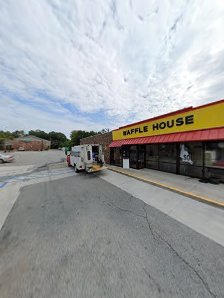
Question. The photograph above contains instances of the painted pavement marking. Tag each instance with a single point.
(38, 175)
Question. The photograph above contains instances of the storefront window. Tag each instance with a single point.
(167, 157)
(167, 152)
(116, 156)
(191, 154)
(214, 154)
(151, 157)
(191, 159)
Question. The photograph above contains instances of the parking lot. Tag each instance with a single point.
(29, 167)
(36, 158)
(107, 233)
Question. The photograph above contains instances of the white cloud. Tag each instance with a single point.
(24, 117)
(126, 59)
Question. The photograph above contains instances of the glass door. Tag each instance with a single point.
(133, 157)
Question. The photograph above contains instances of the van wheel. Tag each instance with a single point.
(76, 170)
(1, 160)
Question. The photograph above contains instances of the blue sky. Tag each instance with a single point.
(79, 64)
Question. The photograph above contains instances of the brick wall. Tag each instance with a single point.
(101, 139)
(36, 145)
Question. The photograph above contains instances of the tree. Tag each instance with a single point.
(39, 133)
(77, 135)
(67, 144)
(104, 130)
(57, 139)
(6, 135)
(18, 133)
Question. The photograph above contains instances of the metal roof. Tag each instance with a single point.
(30, 138)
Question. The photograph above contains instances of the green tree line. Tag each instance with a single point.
(58, 139)
(77, 135)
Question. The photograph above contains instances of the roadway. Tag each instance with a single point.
(83, 236)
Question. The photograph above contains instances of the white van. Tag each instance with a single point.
(87, 158)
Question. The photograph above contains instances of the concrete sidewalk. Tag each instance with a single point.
(187, 186)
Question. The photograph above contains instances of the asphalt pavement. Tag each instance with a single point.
(202, 218)
(84, 237)
(35, 158)
(10, 185)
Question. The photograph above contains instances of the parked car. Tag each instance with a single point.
(21, 149)
(6, 158)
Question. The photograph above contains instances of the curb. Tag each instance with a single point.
(195, 197)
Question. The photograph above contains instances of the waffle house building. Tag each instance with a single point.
(187, 142)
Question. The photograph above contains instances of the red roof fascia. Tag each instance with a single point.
(189, 136)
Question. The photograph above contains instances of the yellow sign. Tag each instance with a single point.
(209, 116)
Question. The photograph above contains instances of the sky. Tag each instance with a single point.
(94, 64)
